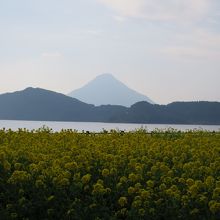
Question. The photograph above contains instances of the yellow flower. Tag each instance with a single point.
(136, 203)
(131, 190)
(210, 181)
(122, 201)
(113, 171)
(162, 187)
(145, 194)
(123, 179)
(132, 177)
(86, 178)
(62, 182)
(189, 182)
(98, 189)
(122, 213)
(18, 166)
(71, 166)
(6, 165)
(216, 194)
(105, 172)
(150, 183)
(19, 177)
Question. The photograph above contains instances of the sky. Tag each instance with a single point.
(168, 50)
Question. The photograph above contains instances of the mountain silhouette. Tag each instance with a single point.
(106, 89)
(174, 113)
(43, 105)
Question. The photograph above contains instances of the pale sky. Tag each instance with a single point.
(168, 50)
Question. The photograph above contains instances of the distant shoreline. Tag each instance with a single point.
(100, 127)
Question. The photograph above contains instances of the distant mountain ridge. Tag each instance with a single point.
(105, 89)
(43, 105)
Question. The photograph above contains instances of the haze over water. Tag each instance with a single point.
(97, 127)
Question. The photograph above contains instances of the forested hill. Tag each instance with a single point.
(174, 113)
(40, 104)
(44, 105)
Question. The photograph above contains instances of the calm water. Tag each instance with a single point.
(96, 127)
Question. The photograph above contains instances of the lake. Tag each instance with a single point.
(97, 127)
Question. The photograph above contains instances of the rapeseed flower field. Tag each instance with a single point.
(109, 175)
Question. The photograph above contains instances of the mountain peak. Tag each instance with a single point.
(105, 76)
(105, 89)
(32, 90)
(28, 89)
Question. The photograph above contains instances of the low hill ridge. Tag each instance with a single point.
(44, 105)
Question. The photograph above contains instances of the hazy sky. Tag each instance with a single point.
(168, 50)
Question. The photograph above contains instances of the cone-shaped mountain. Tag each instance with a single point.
(106, 89)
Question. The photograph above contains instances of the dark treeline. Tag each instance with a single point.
(44, 105)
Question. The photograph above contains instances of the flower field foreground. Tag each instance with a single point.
(115, 175)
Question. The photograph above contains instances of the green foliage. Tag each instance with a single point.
(110, 175)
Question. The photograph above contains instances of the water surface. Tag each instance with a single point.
(97, 127)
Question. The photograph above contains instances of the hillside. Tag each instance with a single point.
(173, 113)
(40, 104)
